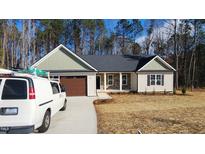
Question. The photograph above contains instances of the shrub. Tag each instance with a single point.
(183, 90)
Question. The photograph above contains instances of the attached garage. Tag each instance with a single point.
(75, 85)
(78, 75)
(73, 72)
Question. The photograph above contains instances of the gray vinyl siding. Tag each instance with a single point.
(62, 61)
(155, 65)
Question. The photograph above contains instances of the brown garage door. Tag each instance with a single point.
(75, 85)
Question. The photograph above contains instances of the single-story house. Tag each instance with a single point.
(88, 74)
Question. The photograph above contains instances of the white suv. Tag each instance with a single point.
(28, 102)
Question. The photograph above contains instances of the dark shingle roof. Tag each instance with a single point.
(116, 63)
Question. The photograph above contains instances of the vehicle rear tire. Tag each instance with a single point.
(46, 122)
(64, 106)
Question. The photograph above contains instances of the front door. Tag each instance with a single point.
(98, 82)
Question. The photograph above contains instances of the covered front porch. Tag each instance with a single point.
(113, 82)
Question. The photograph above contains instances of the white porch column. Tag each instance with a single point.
(105, 87)
(120, 81)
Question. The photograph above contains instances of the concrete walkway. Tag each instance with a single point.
(103, 95)
(79, 117)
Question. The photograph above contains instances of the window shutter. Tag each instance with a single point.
(148, 80)
(162, 79)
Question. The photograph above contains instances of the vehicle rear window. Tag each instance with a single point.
(55, 87)
(15, 89)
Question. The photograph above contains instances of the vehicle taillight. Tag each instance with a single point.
(32, 94)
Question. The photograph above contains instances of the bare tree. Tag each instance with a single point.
(5, 40)
(191, 64)
(176, 53)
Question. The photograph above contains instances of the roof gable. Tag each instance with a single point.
(156, 64)
(64, 60)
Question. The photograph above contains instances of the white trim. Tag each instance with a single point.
(105, 82)
(45, 57)
(120, 81)
(155, 79)
(160, 75)
(126, 79)
(160, 60)
(55, 50)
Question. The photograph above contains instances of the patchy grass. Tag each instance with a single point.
(128, 113)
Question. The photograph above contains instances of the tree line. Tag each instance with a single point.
(180, 42)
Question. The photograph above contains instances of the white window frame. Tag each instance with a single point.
(112, 80)
(125, 79)
(155, 79)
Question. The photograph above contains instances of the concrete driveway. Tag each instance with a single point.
(79, 117)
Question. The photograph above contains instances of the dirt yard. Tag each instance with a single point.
(128, 113)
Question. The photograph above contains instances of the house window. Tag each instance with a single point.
(159, 79)
(155, 79)
(152, 80)
(110, 80)
(124, 79)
